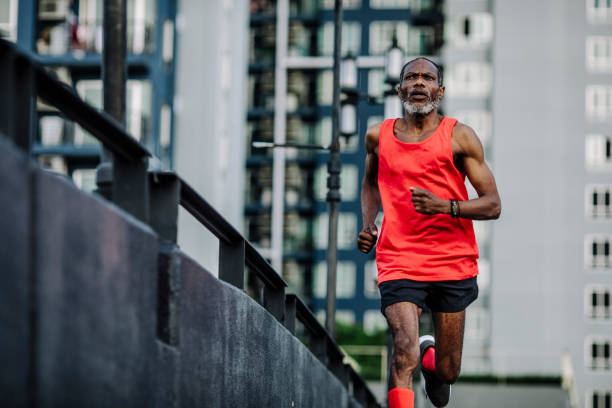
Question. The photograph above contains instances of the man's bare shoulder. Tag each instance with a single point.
(466, 139)
(371, 138)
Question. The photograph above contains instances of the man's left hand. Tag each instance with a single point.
(426, 202)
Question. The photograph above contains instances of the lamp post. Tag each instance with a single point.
(394, 59)
(333, 180)
(333, 166)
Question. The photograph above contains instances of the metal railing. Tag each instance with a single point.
(154, 198)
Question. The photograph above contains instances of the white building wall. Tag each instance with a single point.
(538, 252)
(210, 112)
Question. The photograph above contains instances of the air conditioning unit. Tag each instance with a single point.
(53, 9)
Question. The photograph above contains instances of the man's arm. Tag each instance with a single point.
(370, 195)
(487, 206)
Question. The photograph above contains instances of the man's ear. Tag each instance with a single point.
(441, 92)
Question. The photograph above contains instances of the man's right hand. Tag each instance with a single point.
(367, 238)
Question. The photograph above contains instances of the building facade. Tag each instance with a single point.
(306, 62)
(550, 251)
(180, 106)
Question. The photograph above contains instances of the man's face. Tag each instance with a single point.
(419, 89)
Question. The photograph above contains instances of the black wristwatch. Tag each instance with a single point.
(454, 210)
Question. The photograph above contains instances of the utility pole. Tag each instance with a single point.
(333, 181)
(114, 74)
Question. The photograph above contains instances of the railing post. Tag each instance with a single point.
(290, 314)
(339, 369)
(131, 186)
(359, 388)
(168, 289)
(7, 84)
(274, 301)
(24, 100)
(231, 263)
(163, 205)
(318, 346)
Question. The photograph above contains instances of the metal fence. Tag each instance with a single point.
(154, 197)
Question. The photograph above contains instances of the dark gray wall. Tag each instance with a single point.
(78, 314)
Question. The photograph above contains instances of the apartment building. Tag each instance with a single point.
(550, 253)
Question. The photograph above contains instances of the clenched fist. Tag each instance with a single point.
(367, 238)
(425, 202)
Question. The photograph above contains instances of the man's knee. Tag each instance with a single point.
(406, 354)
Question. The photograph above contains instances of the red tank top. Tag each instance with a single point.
(418, 246)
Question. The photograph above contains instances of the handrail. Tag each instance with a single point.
(207, 215)
(327, 350)
(154, 197)
(102, 126)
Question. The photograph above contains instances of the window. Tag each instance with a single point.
(87, 37)
(370, 280)
(325, 91)
(351, 38)
(599, 53)
(479, 120)
(345, 316)
(299, 39)
(385, 4)
(85, 179)
(347, 230)
(138, 108)
(413, 40)
(597, 301)
(469, 80)
(598, 151)
(598, 102)
(597, 353)
(374, 321)
(597, 201)
(349, 182)
(599, 399)
(599, 11)
(471, 30)
(346, 4)
(376, 83)
(345, 279)
(597, 250)
(476, 324)
(414, 5)
(294, 273)
(296, 233)
(8, 19)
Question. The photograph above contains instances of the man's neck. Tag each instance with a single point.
(420, 123)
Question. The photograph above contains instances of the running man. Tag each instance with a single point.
(426, 253)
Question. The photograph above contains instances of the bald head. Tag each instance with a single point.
(437, 68)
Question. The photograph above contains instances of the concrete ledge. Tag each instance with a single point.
(83, 283)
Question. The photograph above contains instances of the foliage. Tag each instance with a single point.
(353, 335)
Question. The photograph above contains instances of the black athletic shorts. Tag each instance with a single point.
(441, 296)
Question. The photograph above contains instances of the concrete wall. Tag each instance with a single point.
(78, 314)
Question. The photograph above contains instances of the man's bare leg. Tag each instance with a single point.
(449, 328)
(403, 320)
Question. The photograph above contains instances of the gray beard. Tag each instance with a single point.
(420, 110)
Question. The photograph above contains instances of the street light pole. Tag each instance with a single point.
(333, 180)
(114, 74)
